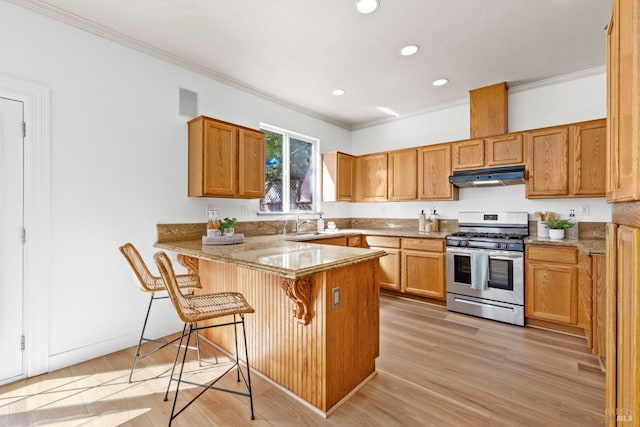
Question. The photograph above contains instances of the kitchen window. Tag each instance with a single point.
(290, 179)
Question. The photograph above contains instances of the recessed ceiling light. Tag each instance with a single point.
(440, 82)
(338, 92)
(388, 111)
(366, 6)
(409, 50)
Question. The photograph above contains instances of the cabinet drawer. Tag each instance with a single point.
(431, 245)
(552, 254)
(385, 242)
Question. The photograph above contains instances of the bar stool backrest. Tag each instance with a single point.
(146, 281)
(169, 278)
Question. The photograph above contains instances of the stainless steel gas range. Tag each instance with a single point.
(485, 265)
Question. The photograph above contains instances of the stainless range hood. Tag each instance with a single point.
(491, 177)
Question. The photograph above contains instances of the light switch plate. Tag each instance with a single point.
(335, 292)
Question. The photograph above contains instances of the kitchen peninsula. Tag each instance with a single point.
(315, 330)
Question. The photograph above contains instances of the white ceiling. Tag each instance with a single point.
(297, 51)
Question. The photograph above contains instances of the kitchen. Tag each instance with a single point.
(70, 62)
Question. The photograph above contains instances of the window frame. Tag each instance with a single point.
(315, 152)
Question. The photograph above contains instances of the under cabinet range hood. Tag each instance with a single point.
(490, 177)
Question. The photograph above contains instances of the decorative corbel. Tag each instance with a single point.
(188, 262)
(299, 291)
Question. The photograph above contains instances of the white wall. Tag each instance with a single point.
(564, 100)
(118, 167)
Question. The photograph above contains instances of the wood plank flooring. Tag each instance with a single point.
(435, 368)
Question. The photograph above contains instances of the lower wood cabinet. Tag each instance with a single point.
(336, 241)
(412, 266)
(552, 284)
(599, 309)
(424, 268)
(390, 264)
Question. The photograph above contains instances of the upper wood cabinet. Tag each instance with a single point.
(623, 114)
(338, 170)
(502, 150)
(587, 163)
(402, 174)
(548, 161)
(566, 161)
(371, 178)
(434, 169)
(468, 154)
(225, 160)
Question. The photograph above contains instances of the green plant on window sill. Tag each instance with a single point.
(227, 223)
(558, 224)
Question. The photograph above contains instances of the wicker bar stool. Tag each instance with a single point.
(151, 284)
(196, 308)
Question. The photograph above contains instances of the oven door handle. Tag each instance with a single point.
(505, 258)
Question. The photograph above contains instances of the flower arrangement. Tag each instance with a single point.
(558, 224)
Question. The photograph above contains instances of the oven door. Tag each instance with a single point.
(506, 275)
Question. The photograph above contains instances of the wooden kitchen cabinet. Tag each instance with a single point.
(547, 159)
(335, 241)
(371, 178)
(424, 267)
(551, 284)
(338, 171)
(587, 163)
(355, 241)
(599, 312)
(434, 169)
(623, 114)
(504, 150)
(402, 174)
(468, 154)
(225, 160)
(390, 264)
(567, 161)
(623, 317)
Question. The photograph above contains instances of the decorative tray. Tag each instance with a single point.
(223, 240)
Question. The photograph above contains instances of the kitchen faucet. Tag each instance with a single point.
(299, 222)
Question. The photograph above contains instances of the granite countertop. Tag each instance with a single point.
(587, 246)
(275, 254)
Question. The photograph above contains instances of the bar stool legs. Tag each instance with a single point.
(211, 385)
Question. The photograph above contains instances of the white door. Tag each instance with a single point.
(11, 246)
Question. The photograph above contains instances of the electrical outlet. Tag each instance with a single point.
(244, 210)
(336, 296)
(585, 210)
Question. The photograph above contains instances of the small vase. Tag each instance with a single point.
(555, 234)
(229, 231)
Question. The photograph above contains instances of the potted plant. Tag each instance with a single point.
(557, 226)
(226, 225)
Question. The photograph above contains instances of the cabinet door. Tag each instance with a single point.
(251, 167)
(628, 320)
(390, 269)
(220, 159)
(373, 177)
(337, 177)
(354, 241)
(503, 150)
(423, 273)
(547, 162)
(402, 174)
(434, 169)
(551, 292)
(598, 277)
(468, 154)
(588, 153)
(623, 84)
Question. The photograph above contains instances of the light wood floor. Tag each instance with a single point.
(435, 369)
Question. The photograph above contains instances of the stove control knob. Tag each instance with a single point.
(500, 245)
